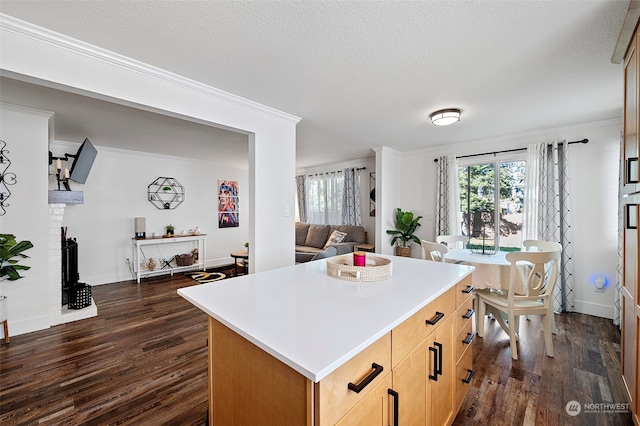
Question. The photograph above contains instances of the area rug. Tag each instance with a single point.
(206, 277)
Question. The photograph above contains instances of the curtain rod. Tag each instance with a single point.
(338, 171)
(435, 160)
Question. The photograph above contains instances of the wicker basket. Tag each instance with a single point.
(79, 296)
(341, 267)
(185, 259)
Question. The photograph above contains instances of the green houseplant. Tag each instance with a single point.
(404, 237)
(10, 249)
(170, 229)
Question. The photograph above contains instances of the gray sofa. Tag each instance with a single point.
(312, 240)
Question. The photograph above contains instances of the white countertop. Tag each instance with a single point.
(315, 323)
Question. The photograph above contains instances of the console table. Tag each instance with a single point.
(163, 245)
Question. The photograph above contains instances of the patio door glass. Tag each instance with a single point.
(491, 205)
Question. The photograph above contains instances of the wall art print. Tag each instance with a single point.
(228, 204)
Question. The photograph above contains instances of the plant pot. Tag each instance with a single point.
(403, 251)
(4, 308)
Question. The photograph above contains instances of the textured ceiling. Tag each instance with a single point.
(369, 73)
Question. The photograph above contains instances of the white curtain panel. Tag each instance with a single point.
(448, 219)
(324, 198)
(547, 207)
(535, 152)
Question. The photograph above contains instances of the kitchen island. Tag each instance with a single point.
(295, 346)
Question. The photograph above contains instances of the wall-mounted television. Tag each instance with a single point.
(82, 162)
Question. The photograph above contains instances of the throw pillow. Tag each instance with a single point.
(335, 238)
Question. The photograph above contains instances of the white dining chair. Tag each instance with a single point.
(541, 274)
(453, 241)
(541, 245)
(433, 251)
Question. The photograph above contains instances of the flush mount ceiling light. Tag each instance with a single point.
(444, 117)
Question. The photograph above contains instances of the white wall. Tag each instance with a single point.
(41, 56)
(594, 188)
(26, 133)
(389, 196)
(116, 192)
(36, 54)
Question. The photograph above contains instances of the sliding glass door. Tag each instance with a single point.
(491, 204)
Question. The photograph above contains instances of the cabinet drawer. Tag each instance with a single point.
(462, 313)
(333, 398)
(408, 335)
(464, 335)
(463, 290)
(465, 365)
(372, 410)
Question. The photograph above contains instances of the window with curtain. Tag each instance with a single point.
(324, 194)
(331, 198)
(492, 202)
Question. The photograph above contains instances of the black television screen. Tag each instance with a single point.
(83, 161)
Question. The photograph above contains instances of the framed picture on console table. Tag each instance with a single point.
(228, 204)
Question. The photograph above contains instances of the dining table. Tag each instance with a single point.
(492, 271)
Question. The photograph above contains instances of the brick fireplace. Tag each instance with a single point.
(58, 313)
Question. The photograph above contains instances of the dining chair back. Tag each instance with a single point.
(539, 272)
(540, 245)
(433, 251)
(453, 241)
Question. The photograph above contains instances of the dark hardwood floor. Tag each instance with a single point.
(143, 361)
(535, 389)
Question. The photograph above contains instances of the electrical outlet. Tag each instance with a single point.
(599, 285)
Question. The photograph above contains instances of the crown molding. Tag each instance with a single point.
(43, 35)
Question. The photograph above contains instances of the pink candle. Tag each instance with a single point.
(359, 258)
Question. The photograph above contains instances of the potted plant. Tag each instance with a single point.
(170, 229)
(406, 225)
(9, 250)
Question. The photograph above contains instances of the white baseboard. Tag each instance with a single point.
(26, 325)
(70, 315)
(222, 261)
(126, 276)
(595, 309)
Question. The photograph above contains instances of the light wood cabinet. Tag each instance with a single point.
(463, 343)
(408, 377)
(630, 315)
(373, 410)
(348, 385)
(426, 377)
(630, 142)
(441, 373)
(630, 303)
(410, 381)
